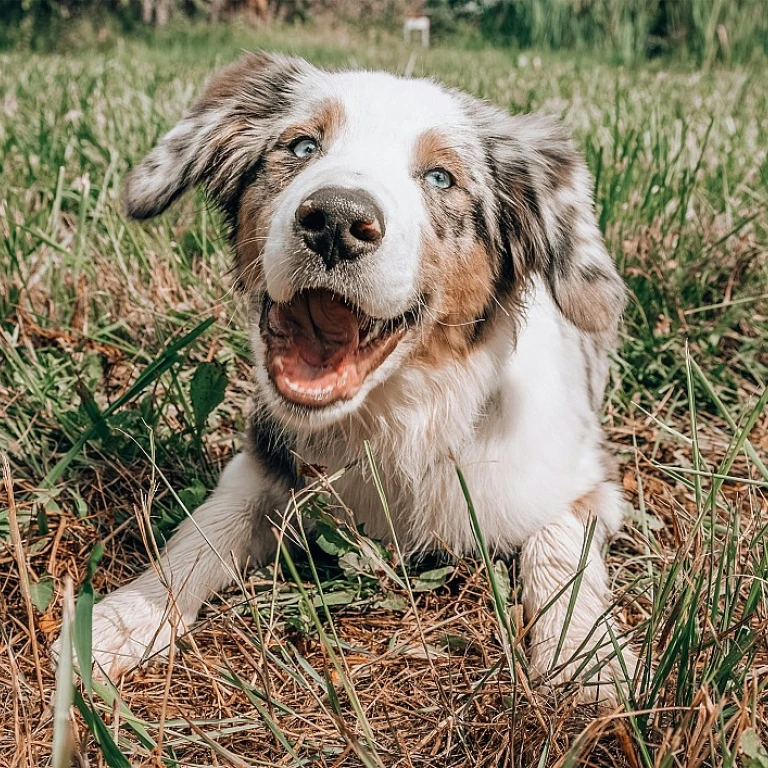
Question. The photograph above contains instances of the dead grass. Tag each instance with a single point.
(439, 698)
(88, 305)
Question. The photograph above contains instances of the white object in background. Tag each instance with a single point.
(417, 24)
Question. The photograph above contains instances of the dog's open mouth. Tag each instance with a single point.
(321, 348)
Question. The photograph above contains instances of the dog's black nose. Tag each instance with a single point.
(340, 224)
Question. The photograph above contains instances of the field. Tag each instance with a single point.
(117, 339)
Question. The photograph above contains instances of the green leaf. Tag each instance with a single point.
(501, 572)
(392, 602)
(206, 391)
(755, 754)
(332, 539)
(193, 496)
(42, 593)
(367, 563)
(163, 362)
(429, 580)
(113, 757)
(337, 597)
(454, 643)
(81, 508)
(91, 409)
(84, 620)
(332, 543)
(107, 692)
(96, 554)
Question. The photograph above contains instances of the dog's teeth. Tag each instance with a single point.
(373, 330)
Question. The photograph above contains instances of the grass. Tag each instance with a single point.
(117, 342)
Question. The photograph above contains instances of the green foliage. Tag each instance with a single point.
(117, 339)
(755, 754)
(626, 29)
(41, 593)
(41, 24)
(427, 581)
(206, 390)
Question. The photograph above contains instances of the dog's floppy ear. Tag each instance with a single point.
(546, 217)
(220, 137)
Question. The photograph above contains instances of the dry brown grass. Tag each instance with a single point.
(87, 304)
(423, 702)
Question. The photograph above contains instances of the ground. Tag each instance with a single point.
(117, 341)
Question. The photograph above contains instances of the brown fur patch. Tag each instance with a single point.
(229, 82)
(252, 229)
(464, 282)
(278, 169)
(434, 150)
(585, 508)
(458, 270)
(324, 125)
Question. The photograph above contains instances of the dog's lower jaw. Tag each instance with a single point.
(294, 418)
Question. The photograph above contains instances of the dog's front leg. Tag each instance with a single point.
(563, 646)
(232, 526)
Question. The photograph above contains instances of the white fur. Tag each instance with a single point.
(373, 152)
(525, 469)
(539, 453)
(588, 640)
(518, 416)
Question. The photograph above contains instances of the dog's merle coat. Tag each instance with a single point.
(492, 298)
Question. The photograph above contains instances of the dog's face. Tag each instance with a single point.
(379, 222)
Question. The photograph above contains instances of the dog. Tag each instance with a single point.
(424, 274)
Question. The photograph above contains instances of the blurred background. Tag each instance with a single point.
(703, 31)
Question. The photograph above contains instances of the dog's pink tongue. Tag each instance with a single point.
(323, 330)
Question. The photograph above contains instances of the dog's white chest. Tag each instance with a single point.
(523, 434)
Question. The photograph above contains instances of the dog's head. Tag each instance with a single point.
(379, 222)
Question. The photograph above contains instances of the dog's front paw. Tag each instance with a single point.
(127, 629)
(600, 675)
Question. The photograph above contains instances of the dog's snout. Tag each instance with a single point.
(340, 224)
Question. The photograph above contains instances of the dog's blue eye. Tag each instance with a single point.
(304, 147)
(439, 178)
